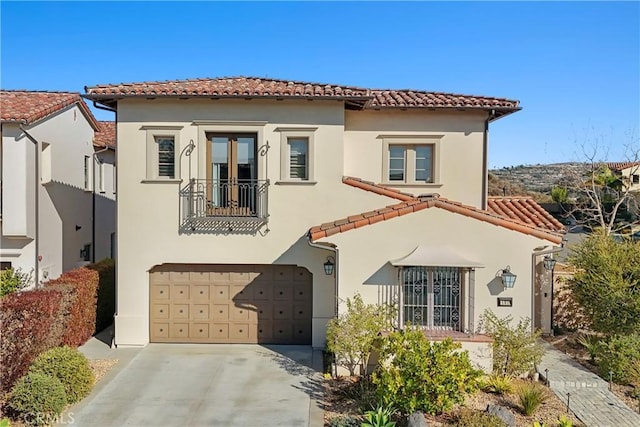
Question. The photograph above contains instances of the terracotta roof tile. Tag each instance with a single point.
(105, 136)
(518, 214)
(526, 210)
(257, 87)
(619, 166)
(30, 106)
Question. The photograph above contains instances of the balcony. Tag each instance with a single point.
(214, 205)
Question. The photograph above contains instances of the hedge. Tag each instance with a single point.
(62, 312)
(30, 325)
(80, 288)
(106, 305)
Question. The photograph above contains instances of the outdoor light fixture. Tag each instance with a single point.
(549, 263)
(329, 266)
(508, 278)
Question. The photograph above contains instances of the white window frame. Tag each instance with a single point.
(153, 133)
(88, 173)
(100, 176)
(287, 134)
(410, 141)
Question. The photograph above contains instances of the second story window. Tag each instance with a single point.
(410, 163)
(410, 159)
(101, 177)
(298, 158)
(166, 156)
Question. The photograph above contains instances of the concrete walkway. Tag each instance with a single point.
(203, 384)
(590, 399)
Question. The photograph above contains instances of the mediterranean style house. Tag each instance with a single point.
(58, 183)
(629, 172)
(250, 208)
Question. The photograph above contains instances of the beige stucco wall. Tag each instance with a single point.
(459, 149)
(63, 201)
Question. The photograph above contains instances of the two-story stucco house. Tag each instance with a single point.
(58, 183)
(629, 172)
(248, 208)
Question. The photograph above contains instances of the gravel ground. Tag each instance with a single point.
(100, 367)
(337, 405)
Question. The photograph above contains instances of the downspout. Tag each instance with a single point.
(533, 279)
(336, 271)
(36, 145)
(93, 204)
(485, 159)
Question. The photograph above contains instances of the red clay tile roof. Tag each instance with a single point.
(524, 209)
(619, 166)
(30, 106)
(428, 201)
(256, 87)
(105, 136)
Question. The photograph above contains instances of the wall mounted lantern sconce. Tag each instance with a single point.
(508, 278)
(549, 263)
(329, 266)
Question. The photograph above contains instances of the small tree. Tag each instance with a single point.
(13, 280)
(559, 194)
(516, 349)
(351, 336)
(607, 283)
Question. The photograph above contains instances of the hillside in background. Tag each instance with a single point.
(534, 180)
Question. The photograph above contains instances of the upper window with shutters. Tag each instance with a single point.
(297, 155)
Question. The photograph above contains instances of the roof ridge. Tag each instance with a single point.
(41, 91)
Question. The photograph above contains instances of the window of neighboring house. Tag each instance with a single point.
(115, 175)
(162, 153)
(5, 265)
(636, 179)
(410, 160)
(432, 297)
(297, 155)
(112, 247)
(45, 163)
(87, 173)
(85, 252)
(101, 176)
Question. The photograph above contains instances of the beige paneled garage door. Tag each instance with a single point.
(230, 304)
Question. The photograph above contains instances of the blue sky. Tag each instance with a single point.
(574, 66)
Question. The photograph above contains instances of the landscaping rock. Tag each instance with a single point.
(417, 419)
(503, 413)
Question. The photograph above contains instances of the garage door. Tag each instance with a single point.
(230, 304)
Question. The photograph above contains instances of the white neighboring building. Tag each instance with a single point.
(249, 208)
(58, 174)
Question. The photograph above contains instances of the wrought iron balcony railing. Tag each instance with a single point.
(224, 200)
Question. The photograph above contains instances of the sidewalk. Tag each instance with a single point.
(590, 399)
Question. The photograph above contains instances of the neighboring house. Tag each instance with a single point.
(629, 172)
(58, 193)
(249, 208)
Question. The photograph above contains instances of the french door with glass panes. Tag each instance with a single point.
(231, 174)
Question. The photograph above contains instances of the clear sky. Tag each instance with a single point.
(574, 66)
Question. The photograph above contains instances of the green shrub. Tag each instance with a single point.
(351, 336)
(415, 374)
(70, 367)
(13, 280)
(380, 417)
(530, 396)
(563, 421)
(470, 418)
(106, 304)
(37, 398)
(591, 343)
(516, 350)
(5, 422)
(498, 384)
(616, 355)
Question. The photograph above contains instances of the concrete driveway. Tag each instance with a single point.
(208, 385)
